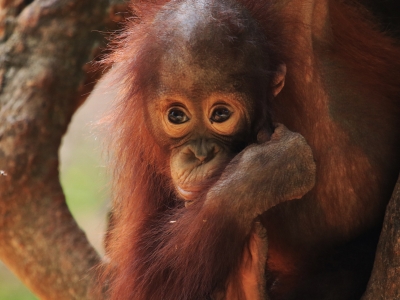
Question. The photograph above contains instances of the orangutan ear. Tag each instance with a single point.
(278, 81)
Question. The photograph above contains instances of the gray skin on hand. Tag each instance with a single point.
(264, 175)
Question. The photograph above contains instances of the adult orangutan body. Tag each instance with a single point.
(194, 126)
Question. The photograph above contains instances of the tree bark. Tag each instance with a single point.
(385, 279)
(44, 50)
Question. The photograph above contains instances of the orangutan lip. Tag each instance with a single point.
(187, 195)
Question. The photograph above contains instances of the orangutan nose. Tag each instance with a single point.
(204, 150)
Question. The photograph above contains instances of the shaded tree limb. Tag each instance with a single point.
(44, 50)
(385, 279)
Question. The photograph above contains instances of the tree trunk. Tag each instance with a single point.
(385, 279)
(44, 50)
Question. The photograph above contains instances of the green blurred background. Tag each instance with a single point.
(84, 179)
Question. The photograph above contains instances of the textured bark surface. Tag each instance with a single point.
(44, 49)
(385, 279)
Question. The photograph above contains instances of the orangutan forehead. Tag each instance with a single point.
(211, 33)
(187, 76)
(200, 53)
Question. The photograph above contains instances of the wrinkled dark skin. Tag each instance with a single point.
(263, 175)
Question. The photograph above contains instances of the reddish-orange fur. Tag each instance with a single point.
(355, 144)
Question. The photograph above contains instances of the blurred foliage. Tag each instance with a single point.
(11, 288)
(84, 182)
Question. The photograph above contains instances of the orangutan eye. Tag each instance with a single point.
(220, 114)
(177, 116)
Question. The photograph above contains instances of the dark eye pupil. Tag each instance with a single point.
(177, 116)
(220, 115)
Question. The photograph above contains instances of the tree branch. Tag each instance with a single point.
(44, 48)
(384, 282)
